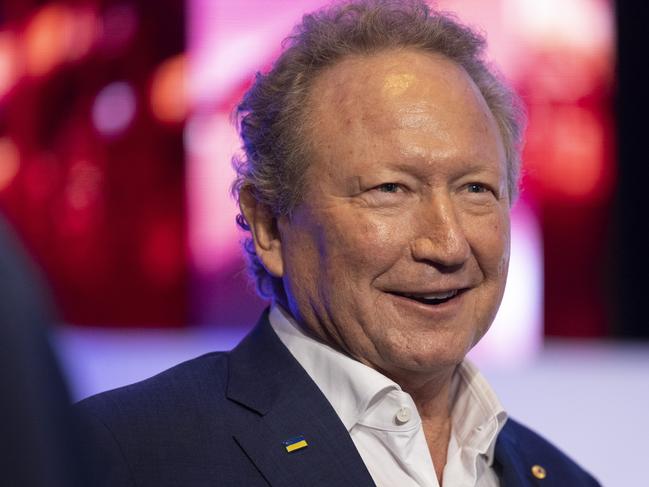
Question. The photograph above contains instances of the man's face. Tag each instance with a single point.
(398, 254)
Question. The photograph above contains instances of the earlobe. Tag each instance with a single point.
(265, 234)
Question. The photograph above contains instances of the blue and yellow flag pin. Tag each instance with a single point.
(294, 444)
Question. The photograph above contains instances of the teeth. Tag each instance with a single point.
(446, 295)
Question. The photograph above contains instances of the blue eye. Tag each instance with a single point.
(388, 188)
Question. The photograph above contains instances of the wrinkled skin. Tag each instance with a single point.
(406, 194)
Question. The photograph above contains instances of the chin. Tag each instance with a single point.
(424, 360)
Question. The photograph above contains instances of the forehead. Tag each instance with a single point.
(390, 76)
(395, 91)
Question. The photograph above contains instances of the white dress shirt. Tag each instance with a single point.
(383, 421)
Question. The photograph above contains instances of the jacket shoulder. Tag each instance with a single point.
(534, 450)
(130, 433)
(188, 384)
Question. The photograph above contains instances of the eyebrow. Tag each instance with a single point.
(422, 171)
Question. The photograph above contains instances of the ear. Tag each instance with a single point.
(265, 234)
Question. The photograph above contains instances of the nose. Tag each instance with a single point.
(441, 240)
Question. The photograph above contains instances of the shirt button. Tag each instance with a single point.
(403, 415)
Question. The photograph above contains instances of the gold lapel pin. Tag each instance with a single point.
(539, 472)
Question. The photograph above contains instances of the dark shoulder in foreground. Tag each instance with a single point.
(521, 450)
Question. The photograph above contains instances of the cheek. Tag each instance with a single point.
(362, 242)
(490, 241)
(301, 257)
(504, 262)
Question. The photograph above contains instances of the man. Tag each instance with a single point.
(381, 161)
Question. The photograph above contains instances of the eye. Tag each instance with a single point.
(477, 188)
(388, 188)
(386, 195)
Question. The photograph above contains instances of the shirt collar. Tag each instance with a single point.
(352, 387)
(477, 414)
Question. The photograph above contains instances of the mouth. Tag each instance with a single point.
(431, 299)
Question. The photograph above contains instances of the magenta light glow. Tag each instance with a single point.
(114, 108)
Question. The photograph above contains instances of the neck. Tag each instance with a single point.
(430, 392)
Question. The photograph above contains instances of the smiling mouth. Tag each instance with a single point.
(431, 299)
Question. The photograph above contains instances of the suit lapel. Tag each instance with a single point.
(512, 466)
(283, 402)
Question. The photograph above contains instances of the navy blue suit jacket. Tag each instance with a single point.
(221, 420)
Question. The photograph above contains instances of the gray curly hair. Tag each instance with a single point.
(271, 118)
